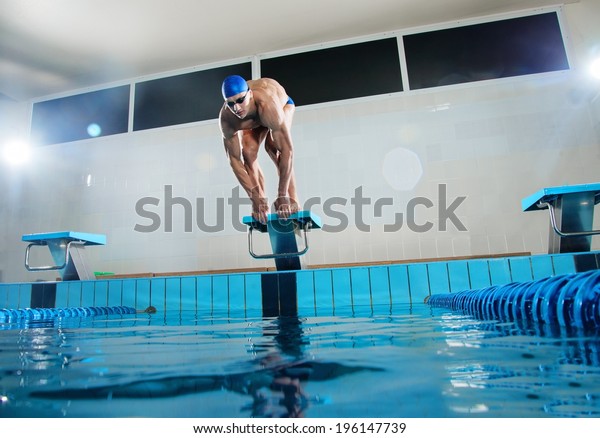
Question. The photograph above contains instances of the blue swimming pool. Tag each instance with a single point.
(350, 361)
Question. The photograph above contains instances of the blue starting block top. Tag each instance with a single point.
(550, 194)
(86, 238)
(305, 219)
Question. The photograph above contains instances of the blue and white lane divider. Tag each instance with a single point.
(44, 314)
(570, 300)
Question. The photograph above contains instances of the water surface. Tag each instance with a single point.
(396, 363)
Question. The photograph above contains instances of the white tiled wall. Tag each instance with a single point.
(491, 142)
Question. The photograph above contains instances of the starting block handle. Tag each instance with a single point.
(561, 233)
(49, 268)
(279, 255)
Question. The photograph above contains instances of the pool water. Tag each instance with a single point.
(411, 361)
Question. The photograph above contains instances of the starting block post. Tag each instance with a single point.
(283, 235)
(67, 250)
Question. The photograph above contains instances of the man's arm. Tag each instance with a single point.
(283, 141)
(249, 176)
(272, 116)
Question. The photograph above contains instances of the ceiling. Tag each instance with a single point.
(52, 47)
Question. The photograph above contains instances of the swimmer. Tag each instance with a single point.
(254, 112)
(149, 310)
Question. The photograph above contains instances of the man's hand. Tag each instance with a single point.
(285, 206)
(260, 209)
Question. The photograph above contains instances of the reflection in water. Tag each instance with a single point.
(546, 365)
(425, 362)
(275, 385)
(578, 346)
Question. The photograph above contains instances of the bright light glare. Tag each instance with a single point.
(595, 68)
(94, 130)
(17, 152)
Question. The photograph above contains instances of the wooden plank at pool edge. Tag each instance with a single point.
(316, 266)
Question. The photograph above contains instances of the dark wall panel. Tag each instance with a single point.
(345, 72)
(500, 49)
(185, 98)
(94, 114)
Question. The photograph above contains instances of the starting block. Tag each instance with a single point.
(67, 250)
(571, 211)
(283, 233)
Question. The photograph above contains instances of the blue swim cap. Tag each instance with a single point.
(233, 85)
